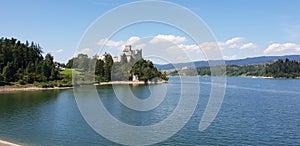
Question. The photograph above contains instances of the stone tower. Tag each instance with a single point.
(132, 54)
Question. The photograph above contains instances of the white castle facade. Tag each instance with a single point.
(129, 54)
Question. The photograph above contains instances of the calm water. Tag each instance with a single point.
(254, 112)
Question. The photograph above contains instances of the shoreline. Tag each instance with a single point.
(14, 89)
(128, 82)
(6, 143)
(5, 89)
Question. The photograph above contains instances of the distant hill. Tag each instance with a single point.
(246, 61)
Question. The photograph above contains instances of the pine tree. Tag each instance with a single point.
(30, 68)
(8, 72)
(99, 69)
(108, 63)
(54, 74)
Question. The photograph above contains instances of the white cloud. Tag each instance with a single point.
(180, 44)
(237, 43)
(248, 45)
(86, 51)
(192, 47)
(233, 57)
(234, 46)
(234, 43)
(277, 48)
(167, 38)
(214, 45)
(59, 50)
(118, 44)
(133, 39)
(110, 43)
(211, 48)
(234, 40)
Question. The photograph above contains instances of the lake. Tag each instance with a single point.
(255, 111)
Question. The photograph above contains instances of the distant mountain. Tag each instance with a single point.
(246, 61)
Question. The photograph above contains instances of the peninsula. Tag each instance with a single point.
(23, 67)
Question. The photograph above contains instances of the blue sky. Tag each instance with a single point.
(243, 28)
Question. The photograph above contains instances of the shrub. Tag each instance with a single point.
(22, 82)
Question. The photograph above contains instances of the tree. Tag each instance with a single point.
(38, 68)
(108, 63)
(99, 69)
(8, 72)
(54, 74)
(146, 71)
(283, 68)
(48, 68)
(92, 65)
(20, 55)
(30, 68)
(70, 63)
(83, 62)
(49, 59)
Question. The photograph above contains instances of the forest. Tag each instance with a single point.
(278, 69)
(23, 64)
(106, 70)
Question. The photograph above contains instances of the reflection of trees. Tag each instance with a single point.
(20, 102)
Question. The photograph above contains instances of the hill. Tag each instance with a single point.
(246, 61)
(278, 69)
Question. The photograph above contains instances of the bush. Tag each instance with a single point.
(44, 85)
(1, 77)
(2, 83)
(22, 82)
(47, 85)
(64, 84)
(29, 78)
(39, 78)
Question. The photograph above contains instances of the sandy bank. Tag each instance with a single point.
(5, 143)
(261, 77)
(129, 82)
(12, 89)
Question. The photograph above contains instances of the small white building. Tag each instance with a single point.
(135, 78)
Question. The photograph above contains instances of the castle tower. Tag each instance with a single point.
(127, 48)
(138, 54)
(132, 54)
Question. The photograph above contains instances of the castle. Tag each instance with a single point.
(129, 54)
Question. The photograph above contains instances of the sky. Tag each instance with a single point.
(242, 28)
